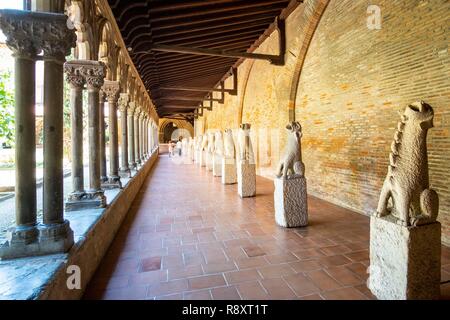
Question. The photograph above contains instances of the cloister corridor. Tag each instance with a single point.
(187, 236)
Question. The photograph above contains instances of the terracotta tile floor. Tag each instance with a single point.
(187, 236)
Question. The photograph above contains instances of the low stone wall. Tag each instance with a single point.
(87, 253)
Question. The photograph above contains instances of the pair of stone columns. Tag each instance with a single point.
(28, 34)
(81, 73)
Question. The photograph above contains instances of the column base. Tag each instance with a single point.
(132, 166)
(229, 171)
(35, 241)
(86, 201)
(55, 238)
(125, 173)
(290, 201)
(217, 166)
(246, 176)
(405, 262)
(112, 183)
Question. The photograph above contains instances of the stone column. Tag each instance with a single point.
(123, 106)
(23, 237)
(131, 144)
(102, 128)
(137, 116)
(96, 72)
(58, 40)
(111, 89)
(141, 137)
(76, 82)
(27, 34)
(145, 153)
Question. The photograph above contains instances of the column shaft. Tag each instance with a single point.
(113, 141)
(131, 140)
(25, 143)
(102, 150)
(94, 141)
(137, 138)
(124, 149)
(76, 104)
(53, 202)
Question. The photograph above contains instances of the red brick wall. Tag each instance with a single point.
(353, 84)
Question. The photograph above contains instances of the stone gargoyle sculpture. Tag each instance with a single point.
(407, 181)
(291, 162)
(229, 144)
(245, 145)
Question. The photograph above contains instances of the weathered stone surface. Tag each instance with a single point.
(217, 165)
(246, 175)
(291, 162)
(405, 262)
(407, 182)
(209, 161)
(290, 200)
(202, 158)
(229, 175)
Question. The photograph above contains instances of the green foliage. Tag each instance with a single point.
(7, 119)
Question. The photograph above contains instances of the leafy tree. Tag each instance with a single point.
(7, 118)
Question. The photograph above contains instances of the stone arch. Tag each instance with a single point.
(80, 15)
(182, 124)
(106, 47)
(314, 21)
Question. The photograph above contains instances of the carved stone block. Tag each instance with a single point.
(217, 165)
(202, 158)
(229, 171)
(209, 161)
(246, 175)
(290, 199)
(405, 262)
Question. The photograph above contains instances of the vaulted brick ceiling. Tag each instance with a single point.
(228, 25)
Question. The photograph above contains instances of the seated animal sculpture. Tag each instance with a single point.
(407, 181)
(229, 144)
(291, 162)
(245, 144)
(210, 143)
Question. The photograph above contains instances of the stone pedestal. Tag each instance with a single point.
(229, 171)
(405, 262)
(209, 161)
(217, 165)
(246, 176)
(202, 158)
(290, 200)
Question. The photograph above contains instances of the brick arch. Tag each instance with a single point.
(244, 90)
(318, 11)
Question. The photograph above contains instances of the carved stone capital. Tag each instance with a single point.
(131, 107)
(123, 102)
(92, 72)
(28, 32)
(111, 90)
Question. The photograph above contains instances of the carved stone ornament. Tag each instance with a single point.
(131, 107)
(111, 89)
(27, 33)
(291, 162)
(93, 72)
(407, 182)
(123, 102)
